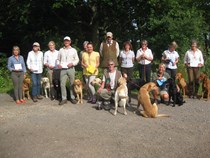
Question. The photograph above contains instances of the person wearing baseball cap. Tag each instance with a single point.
(35, 65)
(67, 59)
(109, 49)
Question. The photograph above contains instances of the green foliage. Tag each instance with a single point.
(5, 81)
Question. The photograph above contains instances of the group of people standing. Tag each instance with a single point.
(109, 58)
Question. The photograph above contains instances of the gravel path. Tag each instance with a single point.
(44, 129)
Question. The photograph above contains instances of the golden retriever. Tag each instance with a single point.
(121, 94)
(26, 87)
(205, 85)
(182, 83)
(78, 90)
(149, 110)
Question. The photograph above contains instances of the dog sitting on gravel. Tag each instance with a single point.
(149, 110)
(174, 93)
(121, 94)
(45, 83)
(181, 83)
(26, 87)
(56, 84)
(205, 85)
(78, 90)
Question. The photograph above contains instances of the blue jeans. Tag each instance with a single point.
(36, 84)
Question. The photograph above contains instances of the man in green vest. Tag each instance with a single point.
(109, 84)
(109, 50)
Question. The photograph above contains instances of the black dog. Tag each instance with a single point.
(56, 85)
(134, 84)
(174, 93)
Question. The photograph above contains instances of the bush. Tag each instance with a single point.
(5, 80)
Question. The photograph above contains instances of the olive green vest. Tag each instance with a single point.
(118, 75)
(109, 52)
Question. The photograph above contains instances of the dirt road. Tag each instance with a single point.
(44, 129)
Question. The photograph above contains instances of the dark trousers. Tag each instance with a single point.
(129, 72)
(145, 72)
(193, 74)
(171, 72)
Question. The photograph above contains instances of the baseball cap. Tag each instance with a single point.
(109, 34)
(67, 38)
(36, 44)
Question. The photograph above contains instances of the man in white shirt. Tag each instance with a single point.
(50, 61)
(67, 59)
(35, 65)
(109, 50)
(194, 61)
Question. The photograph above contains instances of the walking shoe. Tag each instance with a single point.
(39, 97)
(94, 101)
(73, 101)
(22, 101)
(18, 102)
(34, 99)
(63, 102)
(89, 100)
(107, 105)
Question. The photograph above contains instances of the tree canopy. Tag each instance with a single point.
(158, 21)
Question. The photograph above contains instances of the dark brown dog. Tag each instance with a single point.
(205, 85)
(26, 87)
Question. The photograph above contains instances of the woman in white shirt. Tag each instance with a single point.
(170, 58)
(35, 66)
(127, 58)
(144, 57)
(193, 60)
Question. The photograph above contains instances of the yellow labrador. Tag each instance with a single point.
(121, 94)
(45, 82)
(78, 90)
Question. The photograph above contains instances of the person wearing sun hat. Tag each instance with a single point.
(109, 49)
(170, 58)
(67, 60)
(35, 66)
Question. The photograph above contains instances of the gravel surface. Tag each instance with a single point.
(45, 129)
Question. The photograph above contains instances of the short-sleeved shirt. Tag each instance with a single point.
(172, 56)
(148, 53)
(90, 59)
(127, 59)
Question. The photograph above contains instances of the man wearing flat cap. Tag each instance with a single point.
(67, 60)
(109, 50)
